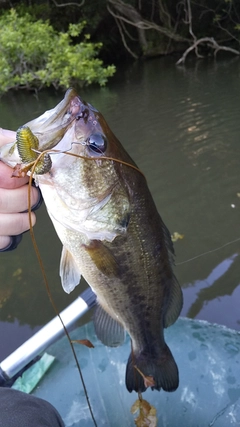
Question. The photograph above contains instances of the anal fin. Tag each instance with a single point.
(107, 329)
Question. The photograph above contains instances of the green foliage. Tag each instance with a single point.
(34, 55)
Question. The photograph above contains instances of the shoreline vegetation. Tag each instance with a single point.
(64, 43)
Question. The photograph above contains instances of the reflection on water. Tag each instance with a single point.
(199, 294)
(181, 126)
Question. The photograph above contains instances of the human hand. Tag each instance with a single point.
(14, 219)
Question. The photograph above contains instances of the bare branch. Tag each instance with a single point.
(153, 9)
(164, 15)
(69, 4)
(124, 10)
(214, 12)
(232, 37)
(124, 13)
(124, 40)
(188, 12)
(135, 17)
(130, 36)
(211, 43)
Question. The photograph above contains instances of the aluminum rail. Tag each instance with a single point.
(45, 336)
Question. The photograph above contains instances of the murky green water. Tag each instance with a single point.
(182, 127)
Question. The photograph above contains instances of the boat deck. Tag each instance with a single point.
(208, 357)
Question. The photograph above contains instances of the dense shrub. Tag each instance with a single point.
(34, 55)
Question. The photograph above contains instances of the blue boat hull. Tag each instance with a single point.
(208, 357)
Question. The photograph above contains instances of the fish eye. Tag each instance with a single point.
(97, 143)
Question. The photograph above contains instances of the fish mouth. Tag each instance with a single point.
(71, 112)
(52, 125)
(71, 118)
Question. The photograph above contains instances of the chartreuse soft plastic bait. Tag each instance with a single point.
(28, 149)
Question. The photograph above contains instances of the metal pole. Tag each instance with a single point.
(45, 336)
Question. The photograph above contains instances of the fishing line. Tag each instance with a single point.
(48, 288)
(122, 162)
(209, 252)
(138, 170)
(43, 270)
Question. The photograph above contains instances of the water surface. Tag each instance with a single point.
(181, 126)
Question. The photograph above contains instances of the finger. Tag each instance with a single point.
(13, 244)
(14, 201)
(4, 241)
(7, 136)
(15, 223)
(6, 179)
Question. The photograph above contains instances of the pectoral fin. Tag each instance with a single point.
(69, 272)
(108, 330)
(103, 258)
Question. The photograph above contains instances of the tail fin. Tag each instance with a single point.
(161, 367)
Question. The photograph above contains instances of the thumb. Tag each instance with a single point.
(7, 136)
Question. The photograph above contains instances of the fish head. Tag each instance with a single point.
(72, 121)
(85, 179)
(97, 141)
(86, 176)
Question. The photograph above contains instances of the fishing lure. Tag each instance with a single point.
(28, 149)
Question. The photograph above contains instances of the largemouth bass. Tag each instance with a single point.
(112, 234)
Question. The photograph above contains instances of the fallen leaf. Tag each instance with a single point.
(5, 294)
(17, 272)
(85, 342)
(147, 416)
(176, 236)
(148, 380)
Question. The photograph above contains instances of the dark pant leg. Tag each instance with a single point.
(19, 409)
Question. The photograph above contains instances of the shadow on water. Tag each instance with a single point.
(181, 126)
